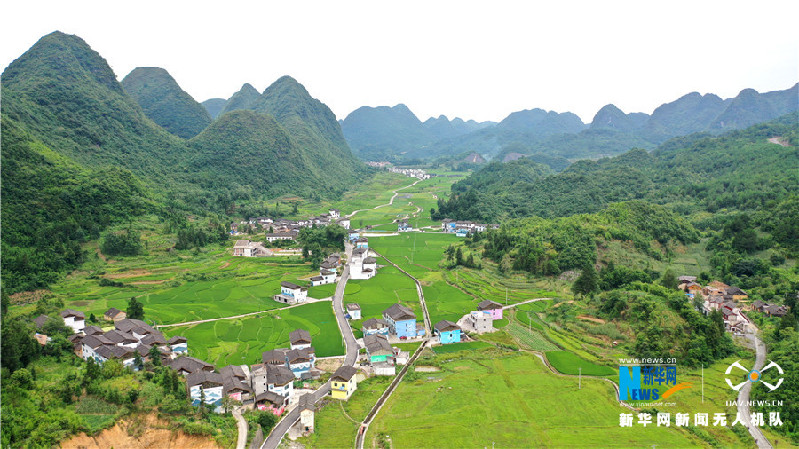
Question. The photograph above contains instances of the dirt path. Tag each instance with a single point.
(393, 197)
(525, 302)
(743, 395)
(590, 318)
(188, 323)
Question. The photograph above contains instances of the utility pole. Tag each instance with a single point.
(506, 296)
(580, 378)
(703, 383)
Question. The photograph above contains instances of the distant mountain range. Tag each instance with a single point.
(396, 134)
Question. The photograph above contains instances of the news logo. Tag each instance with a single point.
(754, 376)
(645, 383)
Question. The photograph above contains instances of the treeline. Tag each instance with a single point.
(319, 242)
(549, 247)
(51, 206)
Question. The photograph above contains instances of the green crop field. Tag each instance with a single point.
(243, 340)
(462, 346)
(375, 295)
(488, 398)
(568, 363)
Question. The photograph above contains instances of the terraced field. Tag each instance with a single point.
(243, 340)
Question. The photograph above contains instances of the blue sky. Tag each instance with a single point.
(474, 60)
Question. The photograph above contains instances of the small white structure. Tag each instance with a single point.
(365, 268)
(247, 248)
(307, 408)
(74, 319)
(481, 321)
(274, 236)
(354, 311)
(334, 213)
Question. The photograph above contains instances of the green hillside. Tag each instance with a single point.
(214, 106)
(164, 102)
(738, 170)
(246, 151)
(243, 99)
(384, 133)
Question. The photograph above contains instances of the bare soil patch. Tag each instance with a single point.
(590, 318)
(29, 297)
(128, 274)
(138, 434)
(779, 141)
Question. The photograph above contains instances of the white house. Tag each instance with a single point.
(354, 311)
(74, 319)
(344, 222)
(325, 277)
(334, 213)
(274, 236)
(300, 339)
(291, 293)
(207, 386)
(179, 345)
(247, 248)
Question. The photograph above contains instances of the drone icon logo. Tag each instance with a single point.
(754, 376)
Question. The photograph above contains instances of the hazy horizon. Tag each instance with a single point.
(459, 59)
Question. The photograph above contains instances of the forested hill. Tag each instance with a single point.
(738, 170)
(79, 153)
(165, 103)
(65, 94)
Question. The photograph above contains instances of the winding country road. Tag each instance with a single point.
(743, 395)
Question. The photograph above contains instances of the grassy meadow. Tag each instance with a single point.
(451, 408)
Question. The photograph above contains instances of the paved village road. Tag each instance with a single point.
(282, 427)
(241, 423)
(743, 395)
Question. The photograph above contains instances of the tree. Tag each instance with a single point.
(669, 279)
(155, 356)
(587, 283)
(18, 346)
(135, 309)
(229, 403)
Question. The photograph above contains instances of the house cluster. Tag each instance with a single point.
(284, 229)
(718, 296)
(411, 172)
(769, 309)
(267, 386)
(464, 228)
(128, 338)
(378, 164)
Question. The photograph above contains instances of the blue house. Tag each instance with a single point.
(448, 332)
(362, 242)
(353, 235)
(401, 320)
(461, 233)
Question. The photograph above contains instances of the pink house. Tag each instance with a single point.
(495, 309)
(271, 401)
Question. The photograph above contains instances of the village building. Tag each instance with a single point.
(301, 362)
(178, 344)
(481, 321)
(291, 293)
(207, 387)
(374, 326)
(271, 402)
(114, 314)
(300, 339)
(401, 321)
(362, 242)
(274, 357)
(74, 320)
(325, 277)
(737, 294)
(448, 332)
(344, 222)
(334, 213)
(246, 248)
(343, 382)
(307, 409)
(92, 330)
(188, 365)
(377, 348)
(275, 236)
(40, 320)
(353, 311)
(494, 308)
